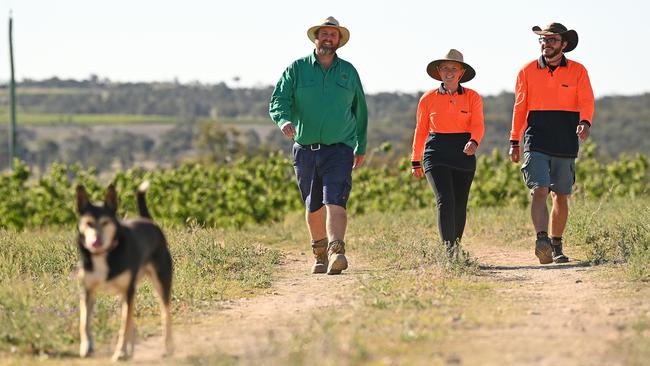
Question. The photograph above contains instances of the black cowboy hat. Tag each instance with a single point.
(570, 36)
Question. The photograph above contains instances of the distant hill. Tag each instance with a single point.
(621, 123)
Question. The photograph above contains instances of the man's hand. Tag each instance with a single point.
(470, 147)
(288, 130)
(358, 161)
(582, 131)
(514, 153)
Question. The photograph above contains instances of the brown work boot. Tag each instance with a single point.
(558, 256)
(319, 247)
(543, 250)
(337, 260)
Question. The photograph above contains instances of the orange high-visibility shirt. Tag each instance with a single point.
(549, 104)
(441, 112)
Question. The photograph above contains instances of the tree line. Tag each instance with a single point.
(621, 123)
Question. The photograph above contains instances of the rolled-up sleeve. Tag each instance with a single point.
(520, 110)
(585, 98)
(280, 107)
(360, 111)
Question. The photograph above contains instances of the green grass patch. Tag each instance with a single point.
(613, 230)
(54, 119)
(39, 297)
(45, 91)
(240, 121)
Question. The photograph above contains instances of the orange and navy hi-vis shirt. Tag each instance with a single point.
(549, 105)
(440, 112)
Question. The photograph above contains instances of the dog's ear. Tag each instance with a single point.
(110, 200)
(82, 198)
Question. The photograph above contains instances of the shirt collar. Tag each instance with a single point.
(442, 89)
(314, 61)
(541, 62)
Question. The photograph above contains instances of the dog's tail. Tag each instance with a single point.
(142, 203)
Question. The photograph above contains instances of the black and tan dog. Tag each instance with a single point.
(114, 256)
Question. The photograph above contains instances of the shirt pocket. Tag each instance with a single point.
(464, 119)
(306, 95)
(306, 83)
(343, 83)
(344, 89)
(568, 96)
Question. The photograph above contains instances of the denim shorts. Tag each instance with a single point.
(324, 174)
(542, 170)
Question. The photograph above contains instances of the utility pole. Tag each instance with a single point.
(12, 98)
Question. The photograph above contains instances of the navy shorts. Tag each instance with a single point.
(324, 174)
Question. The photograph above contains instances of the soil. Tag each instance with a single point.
(558, 314)
(248, 328)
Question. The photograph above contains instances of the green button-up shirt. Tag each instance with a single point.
(326, 107)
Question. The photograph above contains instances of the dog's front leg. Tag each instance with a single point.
(86, 305)
(121, 352)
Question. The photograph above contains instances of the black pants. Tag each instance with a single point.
(451, 187)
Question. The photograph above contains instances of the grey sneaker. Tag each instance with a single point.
(543, 250)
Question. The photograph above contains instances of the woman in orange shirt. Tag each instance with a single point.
(449, 130)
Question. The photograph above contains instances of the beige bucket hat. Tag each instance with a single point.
(569, 35)
(452, 55)
(330, 22)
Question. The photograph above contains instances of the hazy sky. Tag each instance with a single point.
(391, 41)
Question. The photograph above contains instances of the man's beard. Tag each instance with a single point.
(326, 50)
(553, 53)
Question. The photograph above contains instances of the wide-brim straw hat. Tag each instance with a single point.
(569, 35)
(330, 22)
(455, 56)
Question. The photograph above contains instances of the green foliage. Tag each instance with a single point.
(610, 232)
(628, 176)
(262, 189)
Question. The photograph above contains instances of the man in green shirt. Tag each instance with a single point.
(319, 103)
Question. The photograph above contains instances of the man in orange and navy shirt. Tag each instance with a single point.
(554, 108)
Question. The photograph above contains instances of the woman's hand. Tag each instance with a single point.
(470, 147)
(416, 169)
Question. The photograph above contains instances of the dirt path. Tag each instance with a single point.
(567, 314)
(248, 328)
